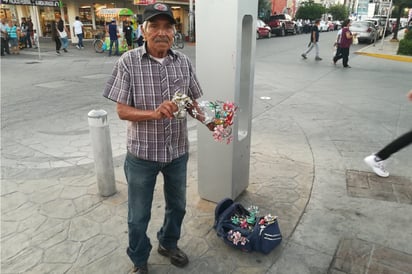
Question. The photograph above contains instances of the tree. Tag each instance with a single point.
(400, 4)
(310, 10)
(339, 12)
(264, 9)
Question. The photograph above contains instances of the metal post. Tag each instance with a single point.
(102, 152)
(191, 22)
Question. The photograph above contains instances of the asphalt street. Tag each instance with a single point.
(313, 123)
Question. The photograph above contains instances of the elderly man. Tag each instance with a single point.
(145, 83)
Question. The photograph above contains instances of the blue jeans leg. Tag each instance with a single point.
(174, 190)
(141, 178)
(80, 37)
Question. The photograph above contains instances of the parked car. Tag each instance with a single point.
(262, 30)
(331, 26)
(365, 31)
(323, 26)
(281, 24)
(378, 26)
(337, 25)
(383, 23)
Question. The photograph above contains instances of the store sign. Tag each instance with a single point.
(44, 3)
(143, 2)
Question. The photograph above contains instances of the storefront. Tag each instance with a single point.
(93, 15)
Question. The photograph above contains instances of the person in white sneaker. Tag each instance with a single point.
(376, 160)
(78, 31)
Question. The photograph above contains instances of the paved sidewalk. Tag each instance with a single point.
(386, 48)
(306, 167)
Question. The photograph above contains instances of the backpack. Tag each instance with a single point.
(242, 229)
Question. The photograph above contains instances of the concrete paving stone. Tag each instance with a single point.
(82, 229)
(368, 185)
(105, 265)
(116, 225)
(12, 201)
(20, 213)
(31, 224)
(101, 213)
(13, 245)
(72, 192)
(64, 252)
(49, 268)
(301, 259)
(359, 256)
(47, 194)
(21, 263)
(51, 233)
(86, 203)
(8, 228)
(64, 209)
(96, 248)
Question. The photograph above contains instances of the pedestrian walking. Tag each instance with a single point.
(337, 46)
(61, 29)
(114, 37)
(128, 34)
(314, 42)
(56, 37)
(78, 30)
(376, 160)
(13, 33)
(345, 43)
(29, 35)
(23, 33)
(143, 83)
(4, 37)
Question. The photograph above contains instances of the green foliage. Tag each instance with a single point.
(405, 47)
(310, 10)
(264, 9)
(339, 12)
(408, 36)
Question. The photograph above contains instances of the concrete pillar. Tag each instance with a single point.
(102, 152)
(225, 53)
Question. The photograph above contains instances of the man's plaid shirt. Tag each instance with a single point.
(140, 81)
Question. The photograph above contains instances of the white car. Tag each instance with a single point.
(323, 26)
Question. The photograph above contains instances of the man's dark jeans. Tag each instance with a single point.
(141, 179)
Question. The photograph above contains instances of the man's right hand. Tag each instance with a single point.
(166, 110)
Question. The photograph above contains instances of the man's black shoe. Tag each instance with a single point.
(177, 256)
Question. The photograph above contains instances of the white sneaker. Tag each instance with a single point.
(377, 166)
(77, 46)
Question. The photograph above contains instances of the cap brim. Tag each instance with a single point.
(172, 20)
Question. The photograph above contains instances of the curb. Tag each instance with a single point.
(400, 58)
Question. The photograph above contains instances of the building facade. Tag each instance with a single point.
(94, 14)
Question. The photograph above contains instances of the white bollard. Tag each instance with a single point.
(102, 152)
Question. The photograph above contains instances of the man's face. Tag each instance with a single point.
(159, 33)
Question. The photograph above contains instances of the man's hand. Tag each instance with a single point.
(211, 126)
(409, 95)
(166, 110)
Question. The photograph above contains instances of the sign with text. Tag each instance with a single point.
(143, 2)
(44, 3)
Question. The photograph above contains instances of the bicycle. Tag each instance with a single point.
(178, 41)
(98, 43)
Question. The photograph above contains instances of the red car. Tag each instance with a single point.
(262, 30)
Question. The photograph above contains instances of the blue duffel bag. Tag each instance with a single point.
(241, 229)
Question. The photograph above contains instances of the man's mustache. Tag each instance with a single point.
(161, 39)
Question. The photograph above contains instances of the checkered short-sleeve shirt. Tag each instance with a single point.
(142, 82)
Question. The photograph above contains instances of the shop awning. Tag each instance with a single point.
(114, 12)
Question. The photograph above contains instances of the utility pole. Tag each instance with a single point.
(191, 22)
